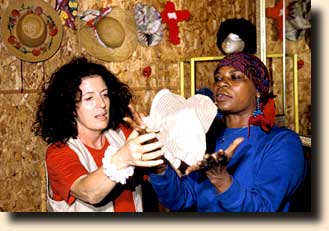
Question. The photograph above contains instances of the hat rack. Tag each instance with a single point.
(192, 62)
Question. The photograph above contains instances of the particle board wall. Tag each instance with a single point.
(303, 51)
(22, 154)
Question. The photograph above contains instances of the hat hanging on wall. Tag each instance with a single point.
(109, 34)
(31, 30)
(298, 19)
(149, 27)
(236, 35)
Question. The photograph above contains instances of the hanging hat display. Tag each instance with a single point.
(237, 30)
(109, 34)
(149, 27)
(31, 30)
(298, 19)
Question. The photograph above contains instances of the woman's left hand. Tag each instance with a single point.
(215, 164)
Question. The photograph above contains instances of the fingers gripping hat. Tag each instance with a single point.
(31, 30)
(252, 67)
(240, 27)
(109, 35)
(182, 125)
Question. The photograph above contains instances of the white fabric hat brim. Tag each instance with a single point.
(182, 124)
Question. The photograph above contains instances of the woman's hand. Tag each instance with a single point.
(140, 127)
(215, 166)
(138, 152)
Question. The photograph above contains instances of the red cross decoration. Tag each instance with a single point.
(276, 13)
(172, 17)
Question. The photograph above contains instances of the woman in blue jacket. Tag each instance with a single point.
(256, 173)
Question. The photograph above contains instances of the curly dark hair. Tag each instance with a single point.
(56, 114)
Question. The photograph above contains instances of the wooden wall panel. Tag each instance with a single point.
(22, 154)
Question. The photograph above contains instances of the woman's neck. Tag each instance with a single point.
(236, 121)
(93, 140)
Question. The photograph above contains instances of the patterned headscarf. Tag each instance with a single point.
(255, 70)
(252, 67)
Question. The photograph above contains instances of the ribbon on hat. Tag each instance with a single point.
(92, 17)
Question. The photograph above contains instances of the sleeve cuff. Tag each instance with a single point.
(232, 196)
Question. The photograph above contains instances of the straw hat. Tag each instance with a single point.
(182, 124)
(113, 38)
(31, 30)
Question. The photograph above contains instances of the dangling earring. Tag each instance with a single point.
(257, 111)
(219, 115)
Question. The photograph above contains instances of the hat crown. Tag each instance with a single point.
(232, 44)
(111, 32)
(31, 30)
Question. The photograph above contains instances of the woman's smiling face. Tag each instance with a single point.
(234, 92)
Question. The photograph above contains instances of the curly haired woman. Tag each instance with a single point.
(92, 152)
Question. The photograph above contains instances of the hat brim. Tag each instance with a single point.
(93, 47)
(18, 49)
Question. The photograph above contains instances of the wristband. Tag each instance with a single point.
(110, 170)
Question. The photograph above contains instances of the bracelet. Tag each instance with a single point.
(111, 171)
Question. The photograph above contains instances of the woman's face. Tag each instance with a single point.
(234, 92)
(93, 108)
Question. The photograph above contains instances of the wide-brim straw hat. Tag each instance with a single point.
(182, 124)
(117, 32)
(31, 30)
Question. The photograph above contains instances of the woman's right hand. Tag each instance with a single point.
(139, 150)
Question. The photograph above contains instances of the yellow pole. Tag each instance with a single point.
(192, 76)
(296, 112)
(181, 77)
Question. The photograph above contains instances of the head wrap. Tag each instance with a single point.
(255, 70)
(252, 67)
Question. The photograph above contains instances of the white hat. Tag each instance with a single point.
(182, 124)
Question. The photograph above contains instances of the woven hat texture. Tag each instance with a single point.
(182, 124)
(117, 35)
(31, 30)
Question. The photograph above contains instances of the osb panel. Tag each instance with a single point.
(21, 153)
(300, 48)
